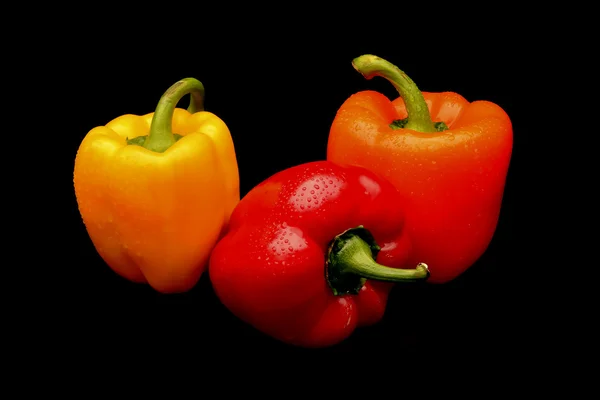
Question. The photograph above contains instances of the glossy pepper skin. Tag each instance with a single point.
(451, 173)
(300, 246)
(155, 203)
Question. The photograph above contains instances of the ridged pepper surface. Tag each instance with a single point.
(155, 202)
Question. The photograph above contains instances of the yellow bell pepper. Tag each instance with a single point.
(155, 203)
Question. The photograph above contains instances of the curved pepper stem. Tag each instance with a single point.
(419, 118)
(161, 135)
(351, 261)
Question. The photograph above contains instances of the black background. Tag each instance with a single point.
(277, 85)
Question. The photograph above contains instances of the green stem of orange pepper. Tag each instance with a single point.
(419, 118)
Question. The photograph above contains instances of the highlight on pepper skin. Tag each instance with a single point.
(447, 157)
(155, 192)
(312, 253)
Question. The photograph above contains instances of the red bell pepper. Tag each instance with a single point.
(298, 261)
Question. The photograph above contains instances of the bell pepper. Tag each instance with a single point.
(303, 259)
(447, 156)
(154, 202)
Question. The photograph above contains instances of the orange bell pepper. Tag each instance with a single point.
(154, 203)
(451, 173)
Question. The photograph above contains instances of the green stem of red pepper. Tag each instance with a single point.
(419, 118)
(351, 261)
(161, 135)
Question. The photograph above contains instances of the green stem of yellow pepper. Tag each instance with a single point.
(161, 135)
